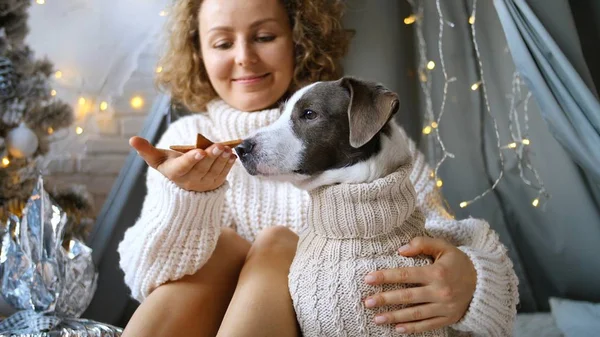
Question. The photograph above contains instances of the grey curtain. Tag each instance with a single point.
(566, 101)
(553, 247)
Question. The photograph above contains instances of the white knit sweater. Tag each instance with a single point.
(177, 230)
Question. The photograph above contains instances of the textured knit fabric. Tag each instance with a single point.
(354, 229)
(177, 229)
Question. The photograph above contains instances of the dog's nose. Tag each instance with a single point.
(245, 148)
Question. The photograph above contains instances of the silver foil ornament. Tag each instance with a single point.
(79, 282)
(40, 272)
(33, 265)
(30, 323)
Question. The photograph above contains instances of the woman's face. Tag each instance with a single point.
(248, 51)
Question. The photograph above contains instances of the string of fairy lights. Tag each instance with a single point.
(518, 113)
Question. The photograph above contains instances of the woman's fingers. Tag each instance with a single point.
(424, 325)
(410, 314)
(419, 275)
(400, 296)
(202, 168)
(151, 155)
(220, 163)
(227, 167)
(182, 165)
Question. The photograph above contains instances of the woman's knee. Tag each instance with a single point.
(231, 247)
(276, 241)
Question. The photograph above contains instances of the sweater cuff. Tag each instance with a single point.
(493, 308)
(175, 236)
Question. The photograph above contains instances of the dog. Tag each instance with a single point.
(339, 141)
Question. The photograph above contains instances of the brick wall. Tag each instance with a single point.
(107, 141)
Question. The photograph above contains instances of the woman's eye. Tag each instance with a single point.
(309, 114)
(223, 45)
(265, 38)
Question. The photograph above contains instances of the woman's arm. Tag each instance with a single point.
(177, 230)
(484, 303)
(493, 308)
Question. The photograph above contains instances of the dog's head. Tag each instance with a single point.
(330, 132)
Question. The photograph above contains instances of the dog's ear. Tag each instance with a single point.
(371, 107)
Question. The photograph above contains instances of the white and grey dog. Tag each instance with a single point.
(338, 140)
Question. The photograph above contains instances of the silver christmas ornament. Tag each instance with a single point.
(21, 142)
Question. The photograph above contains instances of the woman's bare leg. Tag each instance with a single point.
(195, 304)
(261, 304)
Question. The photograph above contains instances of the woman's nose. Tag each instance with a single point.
(245, 54)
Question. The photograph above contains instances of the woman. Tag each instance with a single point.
(211, 250)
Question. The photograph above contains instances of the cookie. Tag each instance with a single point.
(203, 143)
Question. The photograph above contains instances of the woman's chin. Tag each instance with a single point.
(255, 101)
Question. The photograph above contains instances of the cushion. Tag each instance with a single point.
(576, 318)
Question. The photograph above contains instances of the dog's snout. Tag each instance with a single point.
(245, 148)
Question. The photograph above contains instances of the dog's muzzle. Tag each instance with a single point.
(245, 153)
(245, 148)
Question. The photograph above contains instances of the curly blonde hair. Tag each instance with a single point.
(320, 43)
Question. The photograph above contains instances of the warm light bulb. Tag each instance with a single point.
(137, 102)
(427, 130)
(434, 125)
(535, 202)
(475, 86)
(159, 69)
(432, 174)
(430, 65)
(512, 145)
(423, 77)
(103, 106)
(40, 2)
(525, 141)
(409, 20)
(50, 130)
(5, 161)
(53, 92)
(439, 183)
(81, 101)
(472, 19)
(58, 74)
(79, 130)
(464, 204)
(163, 13)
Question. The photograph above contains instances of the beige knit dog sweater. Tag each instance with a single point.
(354, 229)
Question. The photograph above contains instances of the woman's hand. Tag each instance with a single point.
(196, 170)
(444, 293)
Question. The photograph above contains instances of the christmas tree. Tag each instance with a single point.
(29, 116)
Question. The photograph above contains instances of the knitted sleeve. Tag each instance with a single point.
(177, 230)
(493, 308)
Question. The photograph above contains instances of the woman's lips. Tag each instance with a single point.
(250, 79)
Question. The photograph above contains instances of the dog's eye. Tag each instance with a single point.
(309, 114)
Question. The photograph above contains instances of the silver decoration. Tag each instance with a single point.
(7, 78)
(13, 111)
(50, 285)
(79, 280)
(31, 323)
(33, 265)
